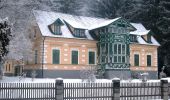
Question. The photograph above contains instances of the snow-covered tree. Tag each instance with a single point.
(20, 48)
(5, 35)
(88, 74)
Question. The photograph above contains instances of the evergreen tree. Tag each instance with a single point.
(67, 6)
(164, 28)
(105, 8)
(5, 34)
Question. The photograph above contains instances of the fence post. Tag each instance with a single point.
(116, 89)
(164, 89)
(59, 89)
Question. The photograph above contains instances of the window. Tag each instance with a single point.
(119, 53)
(91, 57)
(74, 57)
(123, 49)
(55, 29)
(115, 48)
(123, 59)
(36, 56)
(136, 60)
(56, 56)
(133, 38)
(110, 49)
(148, 60)
(79, 33)
(121, 25)
(119, 48)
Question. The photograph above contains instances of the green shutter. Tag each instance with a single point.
(136, 60)
(56, 56)
(148, 60)
(74, 57)
(91, 57)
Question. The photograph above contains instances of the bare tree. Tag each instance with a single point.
(88, 74)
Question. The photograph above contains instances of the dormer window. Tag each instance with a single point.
(55, 28)
(79, 33)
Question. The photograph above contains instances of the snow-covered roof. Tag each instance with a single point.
(105, 23)
(141, 30)
(142, 41)
(45, 18)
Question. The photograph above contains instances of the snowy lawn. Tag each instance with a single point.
(52, 80)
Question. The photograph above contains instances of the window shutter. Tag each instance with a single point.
(56, 56)
(91, 57)
(74, 57)
(148, 60)
(136, 60)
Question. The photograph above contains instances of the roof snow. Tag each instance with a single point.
(141, 30)
(45, 18)
(105, 23)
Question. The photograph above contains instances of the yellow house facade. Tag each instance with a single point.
(65, 44)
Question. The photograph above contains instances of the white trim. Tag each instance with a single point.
(74, 49)
(92, 50)
(55, 48)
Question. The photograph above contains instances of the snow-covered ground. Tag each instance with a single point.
(44, 80)
(52, 80)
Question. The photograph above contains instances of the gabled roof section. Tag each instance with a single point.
(110, 21)
(59, 22)
(102, 24)
(142, 41)
(141, 30)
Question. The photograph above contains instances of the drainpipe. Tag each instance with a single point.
(42, 72)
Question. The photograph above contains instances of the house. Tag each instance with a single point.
(65, 44)
(13, 67)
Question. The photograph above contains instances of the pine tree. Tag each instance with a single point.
(67, 6)
(164, 28)
(105, 8)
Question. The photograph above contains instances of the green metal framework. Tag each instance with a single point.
(113, 45)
